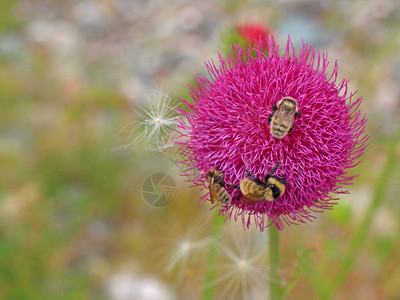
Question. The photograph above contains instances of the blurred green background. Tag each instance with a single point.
(73, 77)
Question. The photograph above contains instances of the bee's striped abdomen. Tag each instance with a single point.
(252, 190)
(279, 130)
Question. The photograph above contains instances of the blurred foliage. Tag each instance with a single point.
(8, 20)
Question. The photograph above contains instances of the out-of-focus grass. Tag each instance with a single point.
(8, 20)
(58, 178)
(71, 210)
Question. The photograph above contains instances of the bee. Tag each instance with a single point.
(282, 118)
(216, 185)
(256, 190)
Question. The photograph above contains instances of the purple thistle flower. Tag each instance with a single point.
(227, 127)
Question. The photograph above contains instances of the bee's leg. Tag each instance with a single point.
(291, 129)
(232, 186)
(274, 169)
(298, 114)
(258, 181)
(249, 175)
(274, 108)
(267, 177)
(219, 180)
(282, 180)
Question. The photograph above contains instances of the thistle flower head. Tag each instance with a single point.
(228, 128)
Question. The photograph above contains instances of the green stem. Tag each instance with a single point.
(275, 288)
(362, 231)
(209, 277)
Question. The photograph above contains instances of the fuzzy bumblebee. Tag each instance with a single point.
(256, 190)
(282, 119)
(216, 187)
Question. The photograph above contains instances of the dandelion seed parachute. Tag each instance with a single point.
(226, 126)
(155, 126)
(242, 270)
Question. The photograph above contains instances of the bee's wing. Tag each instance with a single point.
(211, 190)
